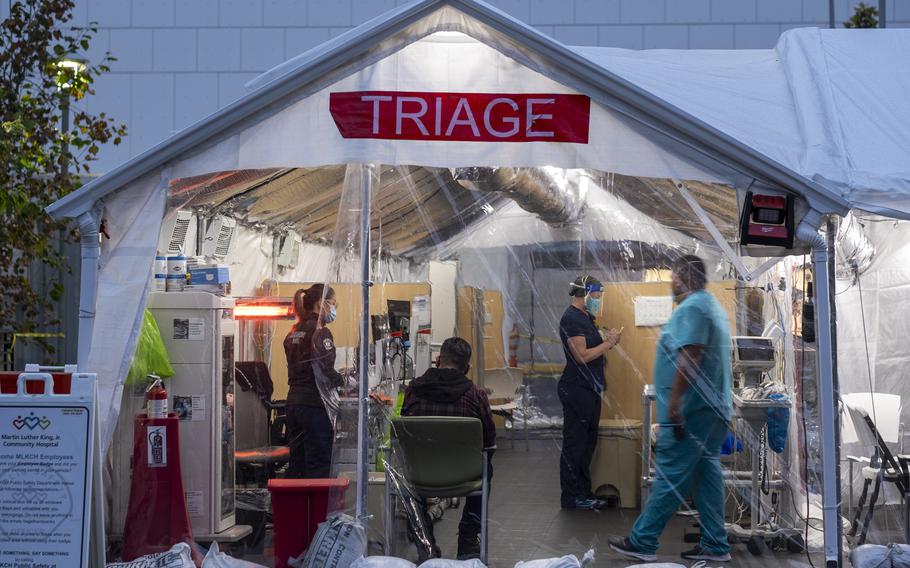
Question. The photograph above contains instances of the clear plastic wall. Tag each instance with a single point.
(489, 255)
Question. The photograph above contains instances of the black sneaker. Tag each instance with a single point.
(698, 553)
(625, 547)
(468, 548)
(585, 504)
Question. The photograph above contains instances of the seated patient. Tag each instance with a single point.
(447, 391)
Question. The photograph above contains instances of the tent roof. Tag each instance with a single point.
(711, 105)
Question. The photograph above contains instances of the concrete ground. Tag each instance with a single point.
(527, 522)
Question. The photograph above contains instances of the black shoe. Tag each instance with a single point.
(586, 504)
(468, 547)
(698, 553)
(625, 547)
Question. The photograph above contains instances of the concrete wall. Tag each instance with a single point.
(180, 60)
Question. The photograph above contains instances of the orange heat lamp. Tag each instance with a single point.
(272, 309)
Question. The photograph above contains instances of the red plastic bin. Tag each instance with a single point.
(298, 506)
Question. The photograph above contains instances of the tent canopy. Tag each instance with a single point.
(815, 116)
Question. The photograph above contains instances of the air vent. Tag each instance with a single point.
(176, 243)
(289, 250)
(219, 237)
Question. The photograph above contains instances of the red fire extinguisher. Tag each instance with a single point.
(513, 346)
(156, 398)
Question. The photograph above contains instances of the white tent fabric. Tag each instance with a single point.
(829, 104)
(134, 218)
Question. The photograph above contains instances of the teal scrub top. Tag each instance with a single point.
(698, 320)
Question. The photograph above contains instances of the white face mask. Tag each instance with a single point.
(329, 316)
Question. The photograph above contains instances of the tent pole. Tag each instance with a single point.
(828, 392)
(363, 416)
(88, 284)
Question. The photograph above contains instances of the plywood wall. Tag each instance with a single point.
(494, 352)
(631, 364)
(346, 328)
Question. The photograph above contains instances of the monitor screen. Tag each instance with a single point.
(754, 349)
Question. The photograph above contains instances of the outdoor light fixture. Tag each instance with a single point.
(69, 68)
(767, 220)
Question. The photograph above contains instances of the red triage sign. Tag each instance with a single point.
(462, 117)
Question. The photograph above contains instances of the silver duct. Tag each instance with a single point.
(853, 252)
(551, 195)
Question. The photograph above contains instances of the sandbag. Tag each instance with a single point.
(443, 563)
(339, 542)
(179, 556)
(382, 562)
(568, 561)
(880, 556)
(216, 559)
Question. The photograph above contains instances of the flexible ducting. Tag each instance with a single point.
(853, 252)
(551, 196)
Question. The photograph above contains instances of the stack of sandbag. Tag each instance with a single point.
(216, 559)
(179, 556)
(389, 562)
(339, 542)
(568, 561)
(880, 556)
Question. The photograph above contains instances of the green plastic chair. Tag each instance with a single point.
(438, 456)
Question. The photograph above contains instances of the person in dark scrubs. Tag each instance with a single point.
(312, 378)
(580, 389)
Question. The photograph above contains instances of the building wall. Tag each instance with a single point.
(180, 60)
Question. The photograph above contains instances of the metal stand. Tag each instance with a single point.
(759, 533)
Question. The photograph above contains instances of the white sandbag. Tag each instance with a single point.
(664, 565)
(216, 559)
(880, 556)
(383, 562)
(339, 542)
(443, 563)
(179, 556)
(568, 561)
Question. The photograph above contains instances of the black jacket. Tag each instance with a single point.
(307, 345)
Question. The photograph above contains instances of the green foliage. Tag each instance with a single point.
(42, 163)
(864, 16)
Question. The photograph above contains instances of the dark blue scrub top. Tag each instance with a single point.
(578, 323)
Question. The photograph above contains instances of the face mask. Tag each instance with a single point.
(592, 305)
(329, 317)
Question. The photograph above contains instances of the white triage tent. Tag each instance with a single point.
(448, 147)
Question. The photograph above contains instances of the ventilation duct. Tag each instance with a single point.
(549, 193)
(853, 252)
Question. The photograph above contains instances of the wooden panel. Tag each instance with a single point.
(346, 328)
(493, 350)
(631, 363)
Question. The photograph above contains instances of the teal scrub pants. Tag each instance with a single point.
(690, 466)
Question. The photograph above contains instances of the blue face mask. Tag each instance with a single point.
(329, 317)
(592, 305)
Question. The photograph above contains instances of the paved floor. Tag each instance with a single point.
(527, 523)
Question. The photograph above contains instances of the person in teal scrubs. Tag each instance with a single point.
(692, 376)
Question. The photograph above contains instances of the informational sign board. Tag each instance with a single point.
(46, 474)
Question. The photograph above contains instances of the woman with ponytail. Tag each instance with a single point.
(312, 378)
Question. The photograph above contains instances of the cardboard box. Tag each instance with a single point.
(209, 275)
